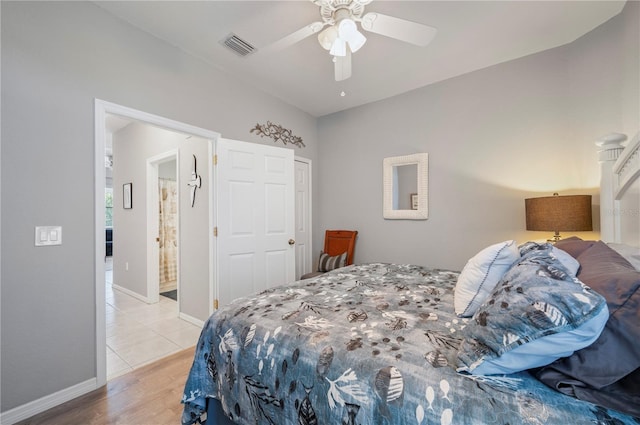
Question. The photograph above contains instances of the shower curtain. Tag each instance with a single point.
(168, 223)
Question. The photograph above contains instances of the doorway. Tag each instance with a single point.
(163, 211)
(102, 109)
(168, 228)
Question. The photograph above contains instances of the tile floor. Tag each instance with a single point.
(140, 333)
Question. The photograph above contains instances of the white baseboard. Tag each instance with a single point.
(32, 408)
(191, 319)
(133, 294)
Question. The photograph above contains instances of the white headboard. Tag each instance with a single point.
(620, 189)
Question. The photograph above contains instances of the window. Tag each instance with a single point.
(108, 206)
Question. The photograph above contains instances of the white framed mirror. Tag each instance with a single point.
(405, 187)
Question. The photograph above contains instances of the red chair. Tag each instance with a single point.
(336, 243)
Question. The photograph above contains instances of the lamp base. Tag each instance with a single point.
(556, 237)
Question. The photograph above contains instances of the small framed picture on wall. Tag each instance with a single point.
(127, 196)
(414, 201)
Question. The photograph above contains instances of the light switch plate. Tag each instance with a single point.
(48, 235)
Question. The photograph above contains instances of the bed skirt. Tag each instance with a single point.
(215, 414)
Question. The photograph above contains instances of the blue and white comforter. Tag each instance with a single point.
(368, 344)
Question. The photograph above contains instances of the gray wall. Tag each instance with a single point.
(194, 233)
(494, 137)
(57, 57)
(603, 75)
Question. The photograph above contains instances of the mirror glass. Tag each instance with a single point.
(405, 184)
(405, 187)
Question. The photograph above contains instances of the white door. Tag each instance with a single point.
(255, 218)
(303, 216)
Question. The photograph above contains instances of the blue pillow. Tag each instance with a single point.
(538, 313)
(570, 263)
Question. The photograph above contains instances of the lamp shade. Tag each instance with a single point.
(559, 213)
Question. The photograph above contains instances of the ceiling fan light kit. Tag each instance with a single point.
(336, 39)
(341, 17)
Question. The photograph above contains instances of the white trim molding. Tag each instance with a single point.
(32, 408)
(191, 319)
(135, 295)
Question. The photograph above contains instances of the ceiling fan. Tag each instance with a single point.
(341, 37)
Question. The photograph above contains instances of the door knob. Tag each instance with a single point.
(291, 241)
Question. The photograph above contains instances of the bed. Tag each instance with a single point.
(524, 334)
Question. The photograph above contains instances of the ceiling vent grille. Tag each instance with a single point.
(237, 45)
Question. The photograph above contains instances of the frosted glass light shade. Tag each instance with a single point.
(357, 41)
(348, 31)
(327, 37)
(339, 47)
(347, 28)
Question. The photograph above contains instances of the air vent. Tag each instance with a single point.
(237, 45)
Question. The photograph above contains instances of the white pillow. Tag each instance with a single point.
(481, 274)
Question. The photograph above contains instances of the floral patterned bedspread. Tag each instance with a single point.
(367, 344)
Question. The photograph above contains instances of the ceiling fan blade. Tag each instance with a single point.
(397, 28)
(294, 37)
(342, 66)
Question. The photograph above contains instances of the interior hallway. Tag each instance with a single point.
(140, 333)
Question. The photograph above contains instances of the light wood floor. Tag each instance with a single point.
(148, 395)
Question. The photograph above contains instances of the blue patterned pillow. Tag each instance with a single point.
(538, 313)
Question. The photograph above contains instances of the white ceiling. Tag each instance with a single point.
(471, 35)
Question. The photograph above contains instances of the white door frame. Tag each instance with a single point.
(101, 109)
(153, 223)
(309, 258)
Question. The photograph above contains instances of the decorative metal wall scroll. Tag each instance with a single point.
(277, 133)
